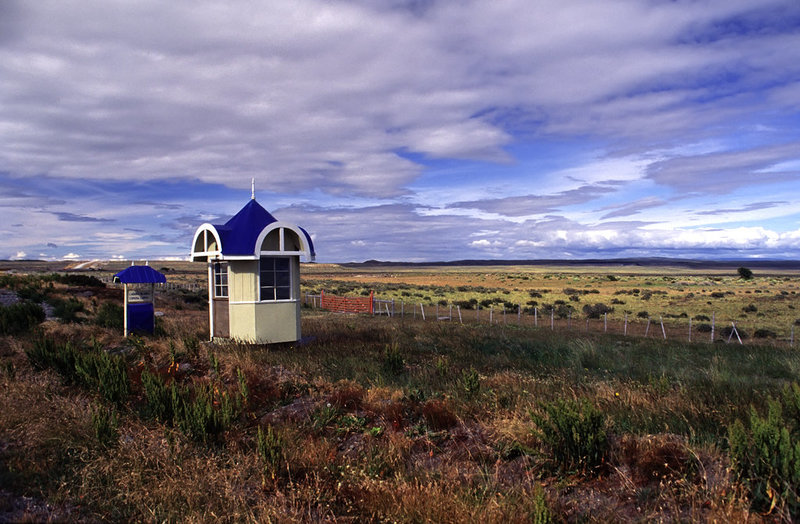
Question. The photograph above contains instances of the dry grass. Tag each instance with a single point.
(363, 441)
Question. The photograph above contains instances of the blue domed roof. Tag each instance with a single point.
(239, 234)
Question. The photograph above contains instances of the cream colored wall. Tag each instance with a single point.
(266, 322)
(242, 280)
(263, 322)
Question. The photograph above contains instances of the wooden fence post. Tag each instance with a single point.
(690, 329)
(519, 313)
(625, 329)
(460, 320)
(713, 316)
(552, 319)
(535, 317)
(422, 310)
(491, 314)
(605, 322)
(648, 327)
(663, 332)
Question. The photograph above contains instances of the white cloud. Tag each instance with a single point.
(357, 99)
(71, 256)
(20, 255)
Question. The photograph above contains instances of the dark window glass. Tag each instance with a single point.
(220, 280)
(276, 279)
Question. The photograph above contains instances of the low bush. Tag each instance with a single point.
(67, 310)
(470, 383)
(110, 315)
(203, 412)
(596, 310)
(764, 333)
(728, 330)
(20, 318)
(72, 279)
(393, 360)
(107, 374)
(574, 435)
(765, 456)
(90, 367)
(105, 423)
(158, 397)
(564, 311)
(272, 451)
(60, 356)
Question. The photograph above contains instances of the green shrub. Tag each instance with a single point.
(158, 397)
(105, 373)
(72, 279)
(92, 368)
(766, 456)
(727, 331)
(271, 450)
(203, 412)
(110, 315)
(105, 422)
(66, 310)
(540, 514)
(596, 310)
(745, 273)
(61, 356)
(323, 417)
(32, 293)
(244, 391)
(20, 318)
(470, 383)
(191, 345)
(393, 359)
(574, 435)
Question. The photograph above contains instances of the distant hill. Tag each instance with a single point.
(640, 262)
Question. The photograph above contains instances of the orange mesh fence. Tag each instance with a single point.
(346, 304)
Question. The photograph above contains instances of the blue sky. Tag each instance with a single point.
(403, 130)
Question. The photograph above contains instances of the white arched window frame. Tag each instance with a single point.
(207, 238)
(283, 228)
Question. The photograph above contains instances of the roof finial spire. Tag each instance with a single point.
(252, 189)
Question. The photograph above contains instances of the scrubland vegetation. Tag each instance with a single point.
(373, 419)
(764, 307)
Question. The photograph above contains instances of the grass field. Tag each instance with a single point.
(373, 419)
(768, 302)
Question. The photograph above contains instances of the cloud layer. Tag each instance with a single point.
(397, 130)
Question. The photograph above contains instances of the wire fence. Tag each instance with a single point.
(687, 329)
(167, 286)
